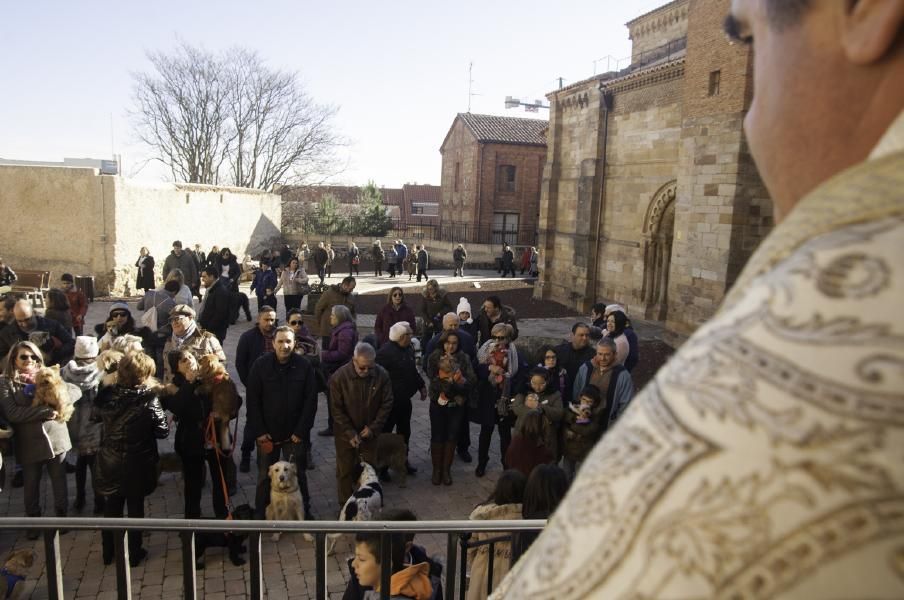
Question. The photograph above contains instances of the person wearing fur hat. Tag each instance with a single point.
(86, 434)
(397, 357)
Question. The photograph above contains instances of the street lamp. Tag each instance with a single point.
(535, 106)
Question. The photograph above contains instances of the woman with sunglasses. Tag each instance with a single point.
(497, 371)
(394, 311)
(121, 322)
(40, 440)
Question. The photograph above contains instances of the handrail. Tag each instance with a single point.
(187, 528)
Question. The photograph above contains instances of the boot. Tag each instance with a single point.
(448, 455)
(436, 454)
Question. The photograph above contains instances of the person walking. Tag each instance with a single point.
(508, 261)
(459, 255)
(145, 265)
(423, 262)
(378, 255)
(294, 283)
(330, 259)
(354, 260)
(263, 284)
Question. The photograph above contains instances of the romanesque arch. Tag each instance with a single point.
(658, 232)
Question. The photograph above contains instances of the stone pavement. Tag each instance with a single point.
(289, 563)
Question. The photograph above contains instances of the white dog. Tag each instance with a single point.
(364, 503)
(286, 503)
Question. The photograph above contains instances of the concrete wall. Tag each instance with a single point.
(75, 220)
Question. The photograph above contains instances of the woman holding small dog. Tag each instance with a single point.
(498, 368)
(41, 441)
(127, 460)
(452, 381)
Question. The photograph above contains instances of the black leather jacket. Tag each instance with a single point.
(133, 422)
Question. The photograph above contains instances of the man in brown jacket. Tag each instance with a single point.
(335, 294)
(361, 397)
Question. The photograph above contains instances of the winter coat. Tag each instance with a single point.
(571, 360)
(191, 412)
(490, 391)
(342, 345)
(282, 398)
(433, 310)
(263, 281)
(35, 439)
(402, 368)
(485, 324)
(232, 274)
(78, 306)
(415, 556)
(412, 582)
(200, 343)
(7, 276)
(133, 421)
(464, 390)
(392, 255)
(186, 262)
(579, 438)
(63, 317)
(378, 254)
(145, 279)
(320, 257)
(293, 283)
(423, 260)
(164, 303)
(459, 255)
(466, 344)
(508, 259)
(553, 412)
(401, 252)
(389, 316)
(216, 312)
(85, 433)
(330, 298)
(57, 349)
(250, 348)
(360, 402)
(354, 253)
(479, 557)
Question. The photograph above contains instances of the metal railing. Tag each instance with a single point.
(456, 531)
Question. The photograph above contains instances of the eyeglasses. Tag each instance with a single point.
(28, 357)
(177, 318)
(295, 322)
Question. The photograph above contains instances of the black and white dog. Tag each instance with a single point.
(364, 503)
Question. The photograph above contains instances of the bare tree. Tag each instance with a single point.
(229, 118)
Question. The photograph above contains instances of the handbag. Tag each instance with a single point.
(149, 317)
(356, 260)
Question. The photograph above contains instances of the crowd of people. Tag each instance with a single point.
(123, 380)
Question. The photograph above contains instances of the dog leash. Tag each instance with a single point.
(210, 436)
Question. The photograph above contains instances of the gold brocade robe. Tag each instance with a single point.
(766, 459)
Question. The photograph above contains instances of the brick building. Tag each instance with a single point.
(491, 175)
(649, 194)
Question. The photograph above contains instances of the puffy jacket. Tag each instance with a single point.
(402, 368)
(360, 402)
(85, 433)
(133, 421)
(282, 398)
(342, 346)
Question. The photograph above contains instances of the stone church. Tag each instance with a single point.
(649, 195)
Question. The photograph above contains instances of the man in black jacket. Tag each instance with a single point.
(54, 341)
(215, 309)
(397, 357)
(282, 399)
(493, 312)
(253, 344)
(571, 355)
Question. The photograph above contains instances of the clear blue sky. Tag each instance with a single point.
(397, 70)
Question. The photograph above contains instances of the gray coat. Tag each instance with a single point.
(186, 262)
(86, 434)
(36, 439)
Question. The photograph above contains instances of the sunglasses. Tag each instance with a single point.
(500, 337)
(28, 357)
(295, 322)
(119, 314)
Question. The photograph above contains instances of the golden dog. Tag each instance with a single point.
(286, 503)
(51, 390)
(14, 570)
(224, 397)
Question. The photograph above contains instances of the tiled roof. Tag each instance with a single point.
(506, 130)
(422, 193)
(392, 196)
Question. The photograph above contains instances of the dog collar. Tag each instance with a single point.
(11, 581)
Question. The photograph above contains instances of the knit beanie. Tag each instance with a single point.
(120, 306)
(616, 308)
(86, 346)
(463, 306)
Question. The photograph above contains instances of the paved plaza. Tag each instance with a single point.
(289, 569)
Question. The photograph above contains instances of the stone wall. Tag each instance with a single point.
(75, 220)
(657, 27)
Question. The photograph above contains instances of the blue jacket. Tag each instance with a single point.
(263, 280)
(402, 251)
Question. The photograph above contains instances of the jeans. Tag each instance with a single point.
(31, 474)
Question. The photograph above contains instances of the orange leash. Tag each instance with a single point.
(210, 436)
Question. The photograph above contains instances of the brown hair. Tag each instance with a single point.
(135, 369)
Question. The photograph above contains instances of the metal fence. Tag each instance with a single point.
(457, 544)
(431, 229)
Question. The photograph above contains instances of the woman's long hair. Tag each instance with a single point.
(9, 369)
